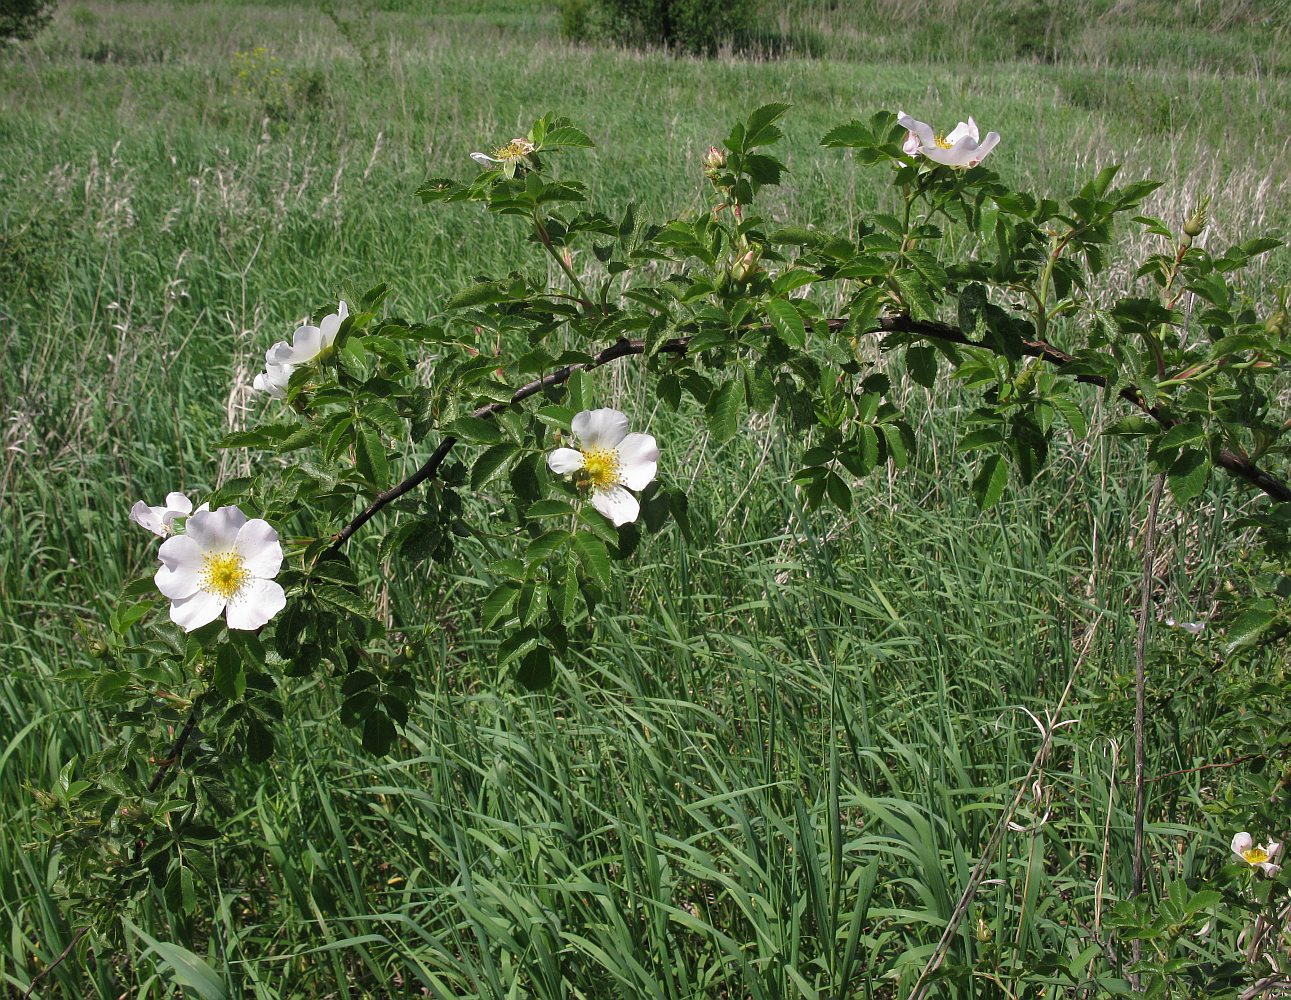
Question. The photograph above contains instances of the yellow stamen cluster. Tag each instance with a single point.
(224, 574)
(940, 140)
(601, 468)
(1255, 855)
(516, 149)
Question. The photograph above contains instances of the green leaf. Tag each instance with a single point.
(1248, 626)
(536, 669)
(724, 411)
(549, 508)
(1188, 475)
(1181, 435)
(840, 494)
(230, 676)
(370, 457)
(988, 486)
(344, 599)
(853, 133)
(593, 556)
(478, 294)
(761, 130)
(567, 135)
(259, 741)
(787, 321)
(488, 464)
(475, 430)
(378, 733)
(921, 363)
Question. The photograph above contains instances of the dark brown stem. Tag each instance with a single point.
(176, 749)
(1140, 703)
(1238, 465)
(71, 946)
(1235, 762)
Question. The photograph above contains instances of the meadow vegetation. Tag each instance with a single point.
(773, 773)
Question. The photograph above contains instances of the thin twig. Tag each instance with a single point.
(71, 946)
(1141, 702)
(957, 915)
(1211, 767)
(176, 749)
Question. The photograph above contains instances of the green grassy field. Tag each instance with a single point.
(772, 773)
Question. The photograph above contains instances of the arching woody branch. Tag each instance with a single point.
(1231, 461)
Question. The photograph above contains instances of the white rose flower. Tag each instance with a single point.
(273, 380)
(1256, 856)
(509, 158)
(161, 520)
(608, 462)
(222, 564)
(308, 342)
(962, 148)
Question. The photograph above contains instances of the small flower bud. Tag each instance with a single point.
(1195, 223)
(744, 268)
(984, 932)
(1276, 324)
(714, 160)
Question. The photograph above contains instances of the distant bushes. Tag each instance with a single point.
(696, 26)
(21, 19)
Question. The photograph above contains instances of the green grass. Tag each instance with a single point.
(774, 770)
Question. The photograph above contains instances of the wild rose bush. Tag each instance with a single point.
(723, 308)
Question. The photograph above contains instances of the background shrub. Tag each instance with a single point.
(698, 26)
(21, 19)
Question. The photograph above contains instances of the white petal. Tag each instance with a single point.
(306, 343)
(963, 130)
(194, 612)
(177, 503)
(216, 530)
(911, 145)
(563, 461)
(484, 160)
(617, 504)
(638, 457)
(990, 142)
(960, 155)
(255, 604)
(921, 130)
(602, 428)
(149, 517)
(273, 380)
(181, 567)
(258, 546)
(331, 325)
(1241, 842)
(1273, 847)
(1269, 869)
(278, 355)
